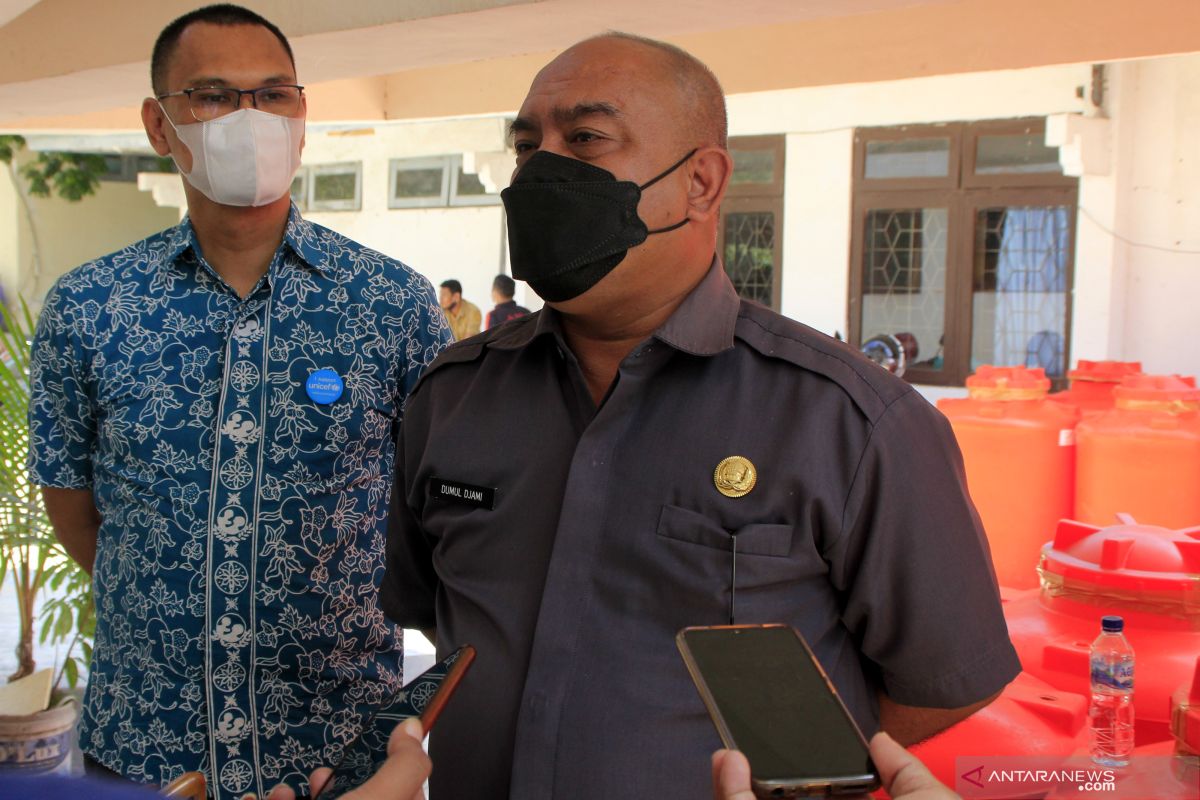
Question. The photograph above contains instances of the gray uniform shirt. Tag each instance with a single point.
(569, 544)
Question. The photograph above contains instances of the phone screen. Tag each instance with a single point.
(770, 699)
(424, 697)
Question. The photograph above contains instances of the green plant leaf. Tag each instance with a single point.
(9, 145)
(66, 621)
(47, 626)
(27, 542)
(72, 176)
(71, 668)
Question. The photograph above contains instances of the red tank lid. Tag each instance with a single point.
(1104, 371)
(1157, 392)
(1008, 383)
(1142, 564)
(1185, 713)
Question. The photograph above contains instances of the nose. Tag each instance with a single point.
(553, 143)
(550, 142)
(246, 100)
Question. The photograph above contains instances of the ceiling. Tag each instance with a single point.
(83, 65)
(59, 57)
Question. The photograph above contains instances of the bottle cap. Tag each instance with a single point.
(1112, 624)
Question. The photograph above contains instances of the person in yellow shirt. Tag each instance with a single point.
(463, 315)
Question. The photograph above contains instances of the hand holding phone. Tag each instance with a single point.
(425, 697)
(769, 698)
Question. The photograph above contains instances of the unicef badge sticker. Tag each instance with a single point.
(324, 386)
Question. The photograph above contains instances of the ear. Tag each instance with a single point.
(710, 171)
(153, 122)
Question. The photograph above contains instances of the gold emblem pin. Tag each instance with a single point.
(735, 476)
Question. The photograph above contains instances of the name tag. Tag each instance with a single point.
(465, 493)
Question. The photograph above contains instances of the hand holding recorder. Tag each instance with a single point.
(788, 733)
(903, 775)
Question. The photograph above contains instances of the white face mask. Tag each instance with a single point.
(246, 158)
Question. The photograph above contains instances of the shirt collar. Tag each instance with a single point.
(703, 325)
(307, 241)
(304, 239)
(180, 238)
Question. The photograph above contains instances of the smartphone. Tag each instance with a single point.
(769, 698)
(425, 697)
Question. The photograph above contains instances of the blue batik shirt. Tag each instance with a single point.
(241, 546)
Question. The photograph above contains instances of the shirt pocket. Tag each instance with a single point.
(759, 539)
(346, 443)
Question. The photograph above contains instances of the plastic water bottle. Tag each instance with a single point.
(1111, 710)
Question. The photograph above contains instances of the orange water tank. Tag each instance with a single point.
(1030, 723)
(1142, 458)
(1092, 384)
(1019, 454)
(1143, 573)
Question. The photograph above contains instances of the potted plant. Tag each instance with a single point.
(36, 567)
(32, 562)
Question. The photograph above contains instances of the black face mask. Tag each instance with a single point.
(570, 223)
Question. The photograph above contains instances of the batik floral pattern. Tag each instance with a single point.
(239, 630)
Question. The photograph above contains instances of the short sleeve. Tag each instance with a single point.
(913, 566)
(428, 335)
(62, 415)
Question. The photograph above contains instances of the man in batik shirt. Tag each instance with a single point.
(213, 417)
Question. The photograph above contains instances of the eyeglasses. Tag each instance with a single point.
(211, 102)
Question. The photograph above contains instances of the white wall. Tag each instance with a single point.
(1159, 213)
(464, 242)
(69, 233)
(11, 265)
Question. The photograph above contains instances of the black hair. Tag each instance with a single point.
(504, 286)
(454, 286)
(219, 14)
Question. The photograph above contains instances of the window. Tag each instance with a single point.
(962, 239)
(749, 242)
(299, 189)
(125, 167)
(418, 182)
(435, 181)
(328, 187)
(335, 187)
(466, 189)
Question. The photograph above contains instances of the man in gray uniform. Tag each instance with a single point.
(631, 438)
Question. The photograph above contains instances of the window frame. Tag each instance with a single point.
(775, 188)
(979, 199)
(759, 197)
(336, 168)
(301, 201)
(951, 131)
(971, 134)
(128, 168)
(466, 200)
(865, 202)
(750, 205)
(398, 165)
(962, 198)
